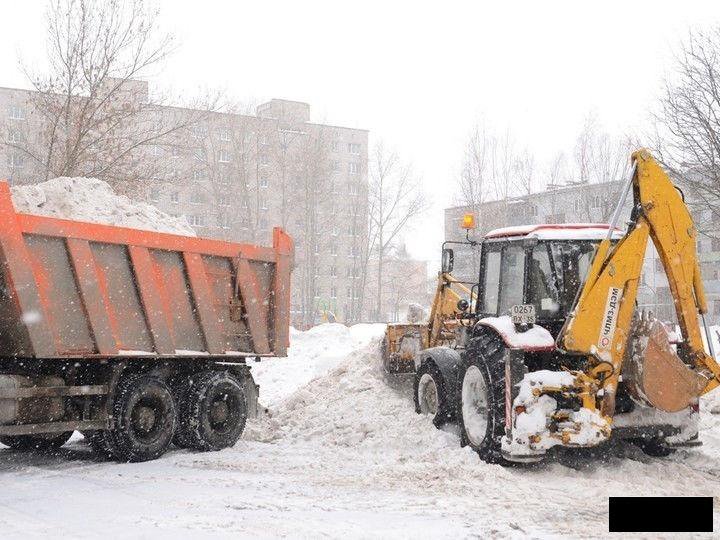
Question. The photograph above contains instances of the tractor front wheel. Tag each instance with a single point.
(431, 395)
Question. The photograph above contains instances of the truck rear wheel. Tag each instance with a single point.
(143, 419)
(481, 407)
(42, 443)
(213, 411)
(431, 395)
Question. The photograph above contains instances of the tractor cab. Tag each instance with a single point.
(536, 270)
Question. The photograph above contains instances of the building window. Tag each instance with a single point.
(335, 146)
(333, 249)
(263, 203)
(335, 165)
(224, 156)
(354, 168)
(198, 154)
(224, 221)
(223, 200)
(16, 161)
(531, 210)
(333, 291)
(154, 195)
(196, 220)
(333, 271)
(175, 151)
(197, 198)
(263, 159)
(353, 188)
(596, 201)
(263, 222)
(224, 180)
(264, 182)
(353, 148)
(15, 137)
(578, 205)
(17, 113)
(155, 150)
(225, 135)
(335, 230)
(198, 176)
(175, 197)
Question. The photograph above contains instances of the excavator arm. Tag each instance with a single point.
(603, 323)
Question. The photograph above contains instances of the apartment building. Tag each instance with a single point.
(236, 176)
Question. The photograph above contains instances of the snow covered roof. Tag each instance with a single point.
(565, 231)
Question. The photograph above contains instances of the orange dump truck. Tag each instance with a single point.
(135, 338)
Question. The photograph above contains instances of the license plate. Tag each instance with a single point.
(523, 314)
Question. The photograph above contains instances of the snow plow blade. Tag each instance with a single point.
(655, 375)
(400, 344)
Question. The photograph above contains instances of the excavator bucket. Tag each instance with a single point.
(655, 374)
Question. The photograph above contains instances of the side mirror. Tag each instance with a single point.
(448, 259)
(462, 305)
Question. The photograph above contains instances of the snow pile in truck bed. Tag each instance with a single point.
(93, 200)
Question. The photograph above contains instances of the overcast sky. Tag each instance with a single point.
(419, 75)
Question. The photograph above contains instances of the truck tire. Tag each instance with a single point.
(97, 443)
(143, 420)
(481, 404)
(213, 411)
(42, 443)
(431, 396)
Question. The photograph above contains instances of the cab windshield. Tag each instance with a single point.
(556, 270)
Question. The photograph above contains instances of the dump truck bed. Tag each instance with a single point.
(76, 289)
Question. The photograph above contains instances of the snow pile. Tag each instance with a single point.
(352, 404)
(93, 200)
(311, 354)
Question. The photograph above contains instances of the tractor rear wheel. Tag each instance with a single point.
(481, 406)
(431, 395)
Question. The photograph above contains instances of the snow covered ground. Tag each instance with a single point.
(341, 453)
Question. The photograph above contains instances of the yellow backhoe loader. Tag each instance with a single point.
(551, 349)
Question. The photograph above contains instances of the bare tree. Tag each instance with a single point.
(311, 195)
(598, 156)
(524, 172)
(688, 122)
(395, 199)
(95, 117)
(227, 170)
